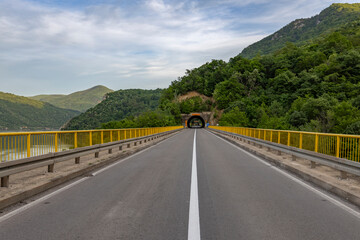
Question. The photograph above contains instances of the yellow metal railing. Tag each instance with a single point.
(338, 145)
(28, 144)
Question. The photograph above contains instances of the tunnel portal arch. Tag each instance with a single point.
(190, 122)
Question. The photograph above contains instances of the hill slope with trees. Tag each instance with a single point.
(117, 106)
(79, 101)
(22, 113)
(302, 30)
(312, 87)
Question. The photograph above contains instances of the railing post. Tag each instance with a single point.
(75, 140)
(279, 137)
(90, 138)
(130, 133)
(118, 135)
(102, 137)
(300, 140)
(288, 141)
(28, 145)
(316, 142)
(265, 135)
(271, 135)
(56, 142)
(111, 137)
(337, 146)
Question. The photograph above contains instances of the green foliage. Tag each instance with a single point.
(354, 128)
(302, 30)
(124, 123)
(194, 104)
(146, 119)
(228, 91)
(202, 79)
(117, 106)
(21, 113)
(234, 118)
(79, 101)
(309, 80)
(313, 86)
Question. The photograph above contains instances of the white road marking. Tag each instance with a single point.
(304, 184)
(194, 217)
(37, 201)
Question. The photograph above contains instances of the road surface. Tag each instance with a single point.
(156, 193)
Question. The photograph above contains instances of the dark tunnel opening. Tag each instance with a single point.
(196, 122)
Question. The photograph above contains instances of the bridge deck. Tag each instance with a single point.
(148, 196)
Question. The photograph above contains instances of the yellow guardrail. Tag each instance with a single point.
(19, 145)
(338, 145)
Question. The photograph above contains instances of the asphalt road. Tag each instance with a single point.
(148, 197)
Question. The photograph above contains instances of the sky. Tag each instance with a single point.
(63, 46)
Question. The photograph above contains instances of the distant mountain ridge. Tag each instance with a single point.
(79, 101)
(302, 30)
(311, 87)
(22, 113)
(116, 106)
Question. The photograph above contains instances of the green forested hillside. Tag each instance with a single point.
(117, 106)
(21, 113)
(302, 30)
(313, 87)
(80, 101)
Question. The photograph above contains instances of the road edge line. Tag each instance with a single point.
(66, 180)
(302, 180)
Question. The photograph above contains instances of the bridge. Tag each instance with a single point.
(216, 183)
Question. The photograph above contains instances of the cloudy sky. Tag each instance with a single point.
(62, 46)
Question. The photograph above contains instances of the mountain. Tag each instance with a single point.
(22, 113)
(80, 101)
(302, 30)
(116, 106)
(313, 86)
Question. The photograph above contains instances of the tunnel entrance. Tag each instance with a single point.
(196, 122)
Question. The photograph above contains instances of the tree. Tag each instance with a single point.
(227, 92)
(234, 118)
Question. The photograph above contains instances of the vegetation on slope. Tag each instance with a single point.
(313, 87)
(80, 101)
(21, 113)
(154, 118)
(117, 106)
(302, 30)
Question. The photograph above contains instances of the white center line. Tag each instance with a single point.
(194, 217)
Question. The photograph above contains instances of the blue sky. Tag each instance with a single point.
(62, 46)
